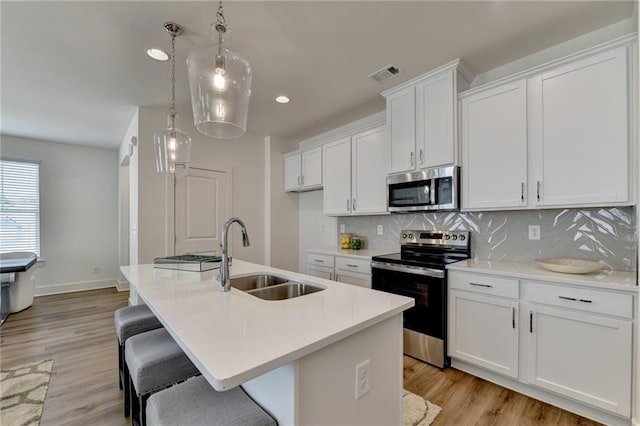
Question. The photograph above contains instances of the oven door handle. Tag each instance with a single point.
(427, 272)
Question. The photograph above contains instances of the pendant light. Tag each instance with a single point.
(220, 83)
(172, 146)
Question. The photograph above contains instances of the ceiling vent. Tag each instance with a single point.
(385, 73)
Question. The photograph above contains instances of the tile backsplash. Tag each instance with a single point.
(600, 234)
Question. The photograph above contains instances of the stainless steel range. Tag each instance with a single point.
(419, 271)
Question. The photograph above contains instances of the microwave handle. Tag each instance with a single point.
(432, 191)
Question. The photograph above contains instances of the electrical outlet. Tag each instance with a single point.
(343, 228)
(534, 232)
(363, 379)
(380, 229)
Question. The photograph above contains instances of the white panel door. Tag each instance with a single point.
(435, 120)
(337, 177)
(369, 166)
(312, 167)
(484, 331)
(401, 128)
(201, 202)
(494, 148)
(585, 357)
(292, 172)
(584, 142)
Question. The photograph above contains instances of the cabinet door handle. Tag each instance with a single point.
(351, 265)
(573, 299)
(348, 205)
(354, 204)
(421, 156)
(411, 159)
(302, 180)
(538, 189)
(299, 181)
(522, 191)
(513, 317)
(530, 321)
(331, 277)
(319, 260)
(481, 285)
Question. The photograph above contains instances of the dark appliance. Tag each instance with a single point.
(429, 189)
(419, 271)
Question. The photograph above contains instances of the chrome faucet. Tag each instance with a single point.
(225, 282)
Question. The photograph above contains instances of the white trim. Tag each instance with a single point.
(449, 65)
(122, 285)
(74, 287)
(267, 200)
(620, 41)
(342, 131)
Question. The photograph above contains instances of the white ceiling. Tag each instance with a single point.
(75, 71)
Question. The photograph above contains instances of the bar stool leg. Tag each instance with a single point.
(127, 389)
(120, 356)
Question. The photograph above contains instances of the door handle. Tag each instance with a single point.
(302, 180)
(354, 204)
(348, 205)
(299, 181)
(530, 321)
(522, 191)
(513, 317)
(538, 189)
(351, 265)
(421, 156)
(481, 285)
(319, 260)
(411, 159)
(573, 299)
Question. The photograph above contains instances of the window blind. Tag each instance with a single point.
(19, 206)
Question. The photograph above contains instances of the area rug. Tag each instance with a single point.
(417, 411)
(22, 393)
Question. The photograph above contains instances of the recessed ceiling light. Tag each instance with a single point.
(158, 54)
(282, 99)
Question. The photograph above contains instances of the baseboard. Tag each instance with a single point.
(122, 285)
(73, 287)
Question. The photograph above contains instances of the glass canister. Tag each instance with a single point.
(356, 243)
(345, 241)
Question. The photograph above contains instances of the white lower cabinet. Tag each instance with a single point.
(344, 269)
(483, 331)
(557, 342)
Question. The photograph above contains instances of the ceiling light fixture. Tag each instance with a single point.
(158, 54)
(220, 83)
(172, 146)
(282, 99)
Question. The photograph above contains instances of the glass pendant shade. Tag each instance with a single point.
(220, 83)
(173, 149)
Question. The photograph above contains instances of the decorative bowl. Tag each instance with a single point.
(569, 266)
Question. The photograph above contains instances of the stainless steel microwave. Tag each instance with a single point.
(429, 189)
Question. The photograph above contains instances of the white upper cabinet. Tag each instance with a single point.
(337, 177)
(557, 137)
(494, 154)
(421, 120)
(581, 136)
(355, 170)
(401, 129)
(303, 170)
(369, 171)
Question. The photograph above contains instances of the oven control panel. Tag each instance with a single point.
(446, 238)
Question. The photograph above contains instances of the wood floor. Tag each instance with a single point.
(76, 331)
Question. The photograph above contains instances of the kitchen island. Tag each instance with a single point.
(298, 357)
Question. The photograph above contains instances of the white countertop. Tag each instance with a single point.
(607, 279)
(233, 337)
(358, 254)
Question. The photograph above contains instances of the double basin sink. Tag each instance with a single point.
(273, 287)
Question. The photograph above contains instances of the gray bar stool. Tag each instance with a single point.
(129, 321)
(195, 402)
(155, 362)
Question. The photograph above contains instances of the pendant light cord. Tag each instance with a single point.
(172, 111)
(220, 26)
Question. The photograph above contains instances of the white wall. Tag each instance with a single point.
(78, 213)
(244, 157)
(128, 174)
(635, 403)
(282, 216)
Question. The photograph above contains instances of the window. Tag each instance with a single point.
(19, 206)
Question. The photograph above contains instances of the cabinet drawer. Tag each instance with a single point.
(486, 284)
(354, 265)
(601, 302)
(319, 259)
(355, 278)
